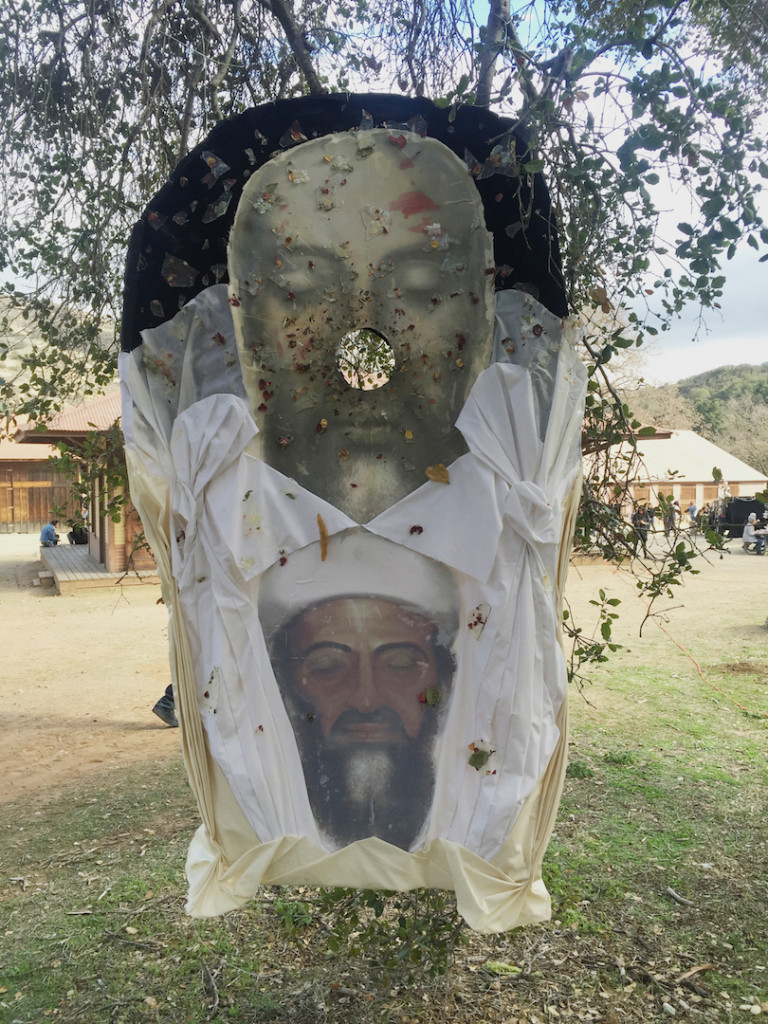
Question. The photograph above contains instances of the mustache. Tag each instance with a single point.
(381, 716)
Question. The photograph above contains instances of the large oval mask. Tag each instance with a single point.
(361, 286)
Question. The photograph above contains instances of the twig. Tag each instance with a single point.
(678, 898)
(687, 653)
(210, 990)
(655, 981)
(68, 858)
(695, 970)
(341, 990)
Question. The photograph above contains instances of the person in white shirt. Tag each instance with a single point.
(752, 534)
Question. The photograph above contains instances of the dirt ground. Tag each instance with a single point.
(79, 674)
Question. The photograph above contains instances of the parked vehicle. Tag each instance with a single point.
(737, 511)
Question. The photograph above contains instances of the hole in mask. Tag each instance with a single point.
(365, 359)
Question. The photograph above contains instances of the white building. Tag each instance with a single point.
(681, 463)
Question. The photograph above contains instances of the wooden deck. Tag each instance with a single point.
(75, 568)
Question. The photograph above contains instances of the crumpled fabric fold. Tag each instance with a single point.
(218, 518)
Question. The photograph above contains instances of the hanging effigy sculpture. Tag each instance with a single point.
(352, 411)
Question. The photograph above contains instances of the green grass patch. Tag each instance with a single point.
(658, 871)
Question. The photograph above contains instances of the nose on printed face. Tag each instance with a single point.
(364, 693)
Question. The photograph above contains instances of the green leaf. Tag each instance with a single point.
(534, 166)
(479, 758)
(500, 968)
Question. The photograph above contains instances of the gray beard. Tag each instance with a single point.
(359, 790)
(378, 483)
(368, 776)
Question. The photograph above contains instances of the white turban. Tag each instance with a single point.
(359, 564)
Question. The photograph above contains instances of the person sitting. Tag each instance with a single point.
(77, 533)
(49, 538)
(752, 535)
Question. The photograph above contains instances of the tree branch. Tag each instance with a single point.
(189, 106)
(226, 61)
(415, 28)
(295, 39)
(499, 19)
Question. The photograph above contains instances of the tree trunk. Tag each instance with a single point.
(495, 34)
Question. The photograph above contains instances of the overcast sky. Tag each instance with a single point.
(736, 333)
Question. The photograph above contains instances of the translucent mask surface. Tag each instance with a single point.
(361, 289)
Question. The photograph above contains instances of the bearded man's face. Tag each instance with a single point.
(361, 680)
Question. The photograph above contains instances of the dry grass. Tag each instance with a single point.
(658, 872)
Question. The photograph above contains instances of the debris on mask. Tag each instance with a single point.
(323, 529)
(438, 474)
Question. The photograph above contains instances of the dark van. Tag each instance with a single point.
(737, 511)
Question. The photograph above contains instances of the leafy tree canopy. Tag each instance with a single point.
(624, 100)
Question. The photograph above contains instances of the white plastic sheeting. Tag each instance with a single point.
(218, 519)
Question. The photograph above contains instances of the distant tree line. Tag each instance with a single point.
(728, 406)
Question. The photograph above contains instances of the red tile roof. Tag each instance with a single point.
(76, 420)
(92, 414)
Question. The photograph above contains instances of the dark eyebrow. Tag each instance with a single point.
(323, 644)
(415, 249)
(332, 645)
(404, 644)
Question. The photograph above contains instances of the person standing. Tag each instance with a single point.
(642, 520)
(165, 709)
(669, 515)
(692, 511)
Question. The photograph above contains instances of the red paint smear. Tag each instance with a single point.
(413, 202)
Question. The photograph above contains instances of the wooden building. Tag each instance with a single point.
(31, 488)
(115, 543)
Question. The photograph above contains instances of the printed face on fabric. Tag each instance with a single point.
(365, 680)
(359, 659)
(361, 284)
